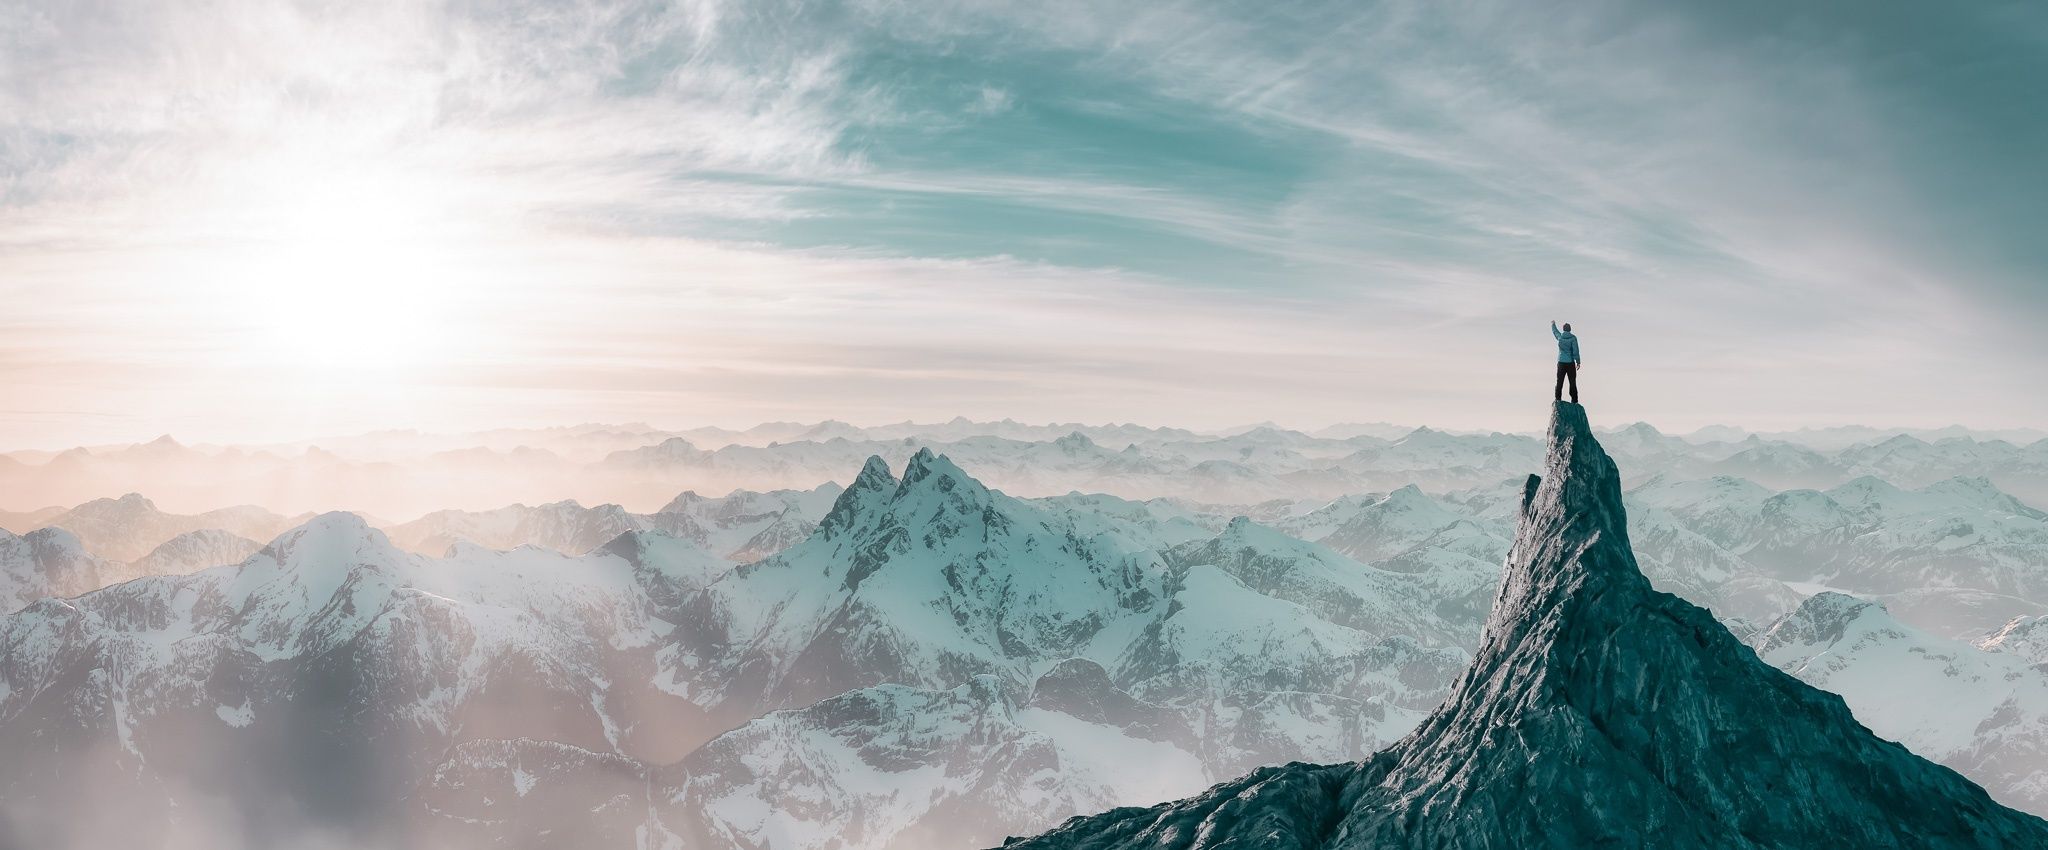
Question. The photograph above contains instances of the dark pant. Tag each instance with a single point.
(1567, 370)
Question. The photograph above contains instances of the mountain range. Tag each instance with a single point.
(1597, 712)
(915, 660)
(395, 671)
(405, 474)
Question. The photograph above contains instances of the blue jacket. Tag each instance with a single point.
(1567, 345)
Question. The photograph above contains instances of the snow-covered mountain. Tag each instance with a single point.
(743, 526)
(563, 526)
(315, 681)
(1780, 465)
(2025, 637)
(130, 537)
(334, 646)
(52, 563)
(1470, 531)
(893, 766)
(1598, 712)
(934, 579)
(1983, 713)
(129, 527)
(194, 551)
(49, 562)
(1958, 556)
(1094, 669)
(890, 765)
(910, 661)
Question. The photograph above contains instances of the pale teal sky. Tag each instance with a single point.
(257, 220)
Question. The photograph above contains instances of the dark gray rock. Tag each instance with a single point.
(1598, 713)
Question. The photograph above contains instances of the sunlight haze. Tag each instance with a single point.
(264, 221)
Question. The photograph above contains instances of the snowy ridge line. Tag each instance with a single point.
(1617, 704)
(398, 475)
(930, 636)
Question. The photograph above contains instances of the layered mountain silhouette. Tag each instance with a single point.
(1598, 712)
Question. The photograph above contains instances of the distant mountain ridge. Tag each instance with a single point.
(402, 474)
(1597, 712)
(1212, 650)
(908, 654)
(129, 527)
(743, 526)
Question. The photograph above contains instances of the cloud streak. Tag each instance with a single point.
(397, 214)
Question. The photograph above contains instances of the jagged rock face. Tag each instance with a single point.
(930, 580)
(1597, 712)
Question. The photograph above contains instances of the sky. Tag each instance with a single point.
(251, 220)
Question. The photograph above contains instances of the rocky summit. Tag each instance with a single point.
(1598, 712)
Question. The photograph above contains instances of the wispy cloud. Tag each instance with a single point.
(1046, 210)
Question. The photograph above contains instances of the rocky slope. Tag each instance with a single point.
(1983, 713)
(1598, 712)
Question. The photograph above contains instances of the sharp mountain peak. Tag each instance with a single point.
(1597, 712)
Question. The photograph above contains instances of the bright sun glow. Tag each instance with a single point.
(351, 280)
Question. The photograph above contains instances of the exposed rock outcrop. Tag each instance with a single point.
(1598, 713)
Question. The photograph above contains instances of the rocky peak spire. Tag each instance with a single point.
(919, 468)
(874, 486)
(936, 471)
(1597, 712)
(1573, 530)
